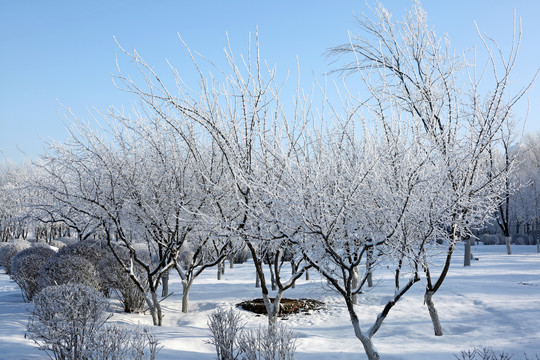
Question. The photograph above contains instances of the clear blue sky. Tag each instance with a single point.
(55, 52)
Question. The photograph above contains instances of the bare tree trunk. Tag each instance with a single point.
(155, 308)
(219, 271)
(354, 284)
(272, 278)
(186, 286)
(294, 268)
(537, 239)
(428, 300)
(307, 275)
(468, 255)
(257, 280)
(369, 267)
(365, 340)
(508, 244)
(165, 285)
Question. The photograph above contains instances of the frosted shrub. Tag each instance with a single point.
(64, 319)
(272, 343)
(91, 250)
(489, 354)
(225, 328)
(64, 269)
(242, 256)
(26, 266)
(114, 277)
(8, 251)
(233, 342)
(118, 342)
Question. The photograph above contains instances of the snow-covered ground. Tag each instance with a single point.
(494, 303)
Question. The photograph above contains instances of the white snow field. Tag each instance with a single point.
(494, 303)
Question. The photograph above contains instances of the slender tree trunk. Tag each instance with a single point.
(354, 284)
(272, 277)
(307, 275)
(508, 240)
(257, 280)
(186, 286)
(165, 285)
(294, 268)
(537, 239)
(219, 271)
(369, 267)
(428, 299)
(468, 255)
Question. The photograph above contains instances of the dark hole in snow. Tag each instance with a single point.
(287, 306)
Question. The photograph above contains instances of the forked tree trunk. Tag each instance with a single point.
(508, 240)
(371, 353)
(433, 314)
(155, 308)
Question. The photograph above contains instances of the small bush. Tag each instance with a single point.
(119, 342)
(241, 256)
(64, 319)
(272, 343)
(64, 269)
(8, 251)
(225, 328)
(489, 354)
(26, 266)
(233, 342)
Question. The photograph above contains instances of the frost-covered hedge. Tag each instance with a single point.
(26, 266)
(69, 322)
(7, 252)
(65, 317)
(114, 278)
(63, 269)
(91, 250)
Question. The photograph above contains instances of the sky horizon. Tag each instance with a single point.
(59, 55)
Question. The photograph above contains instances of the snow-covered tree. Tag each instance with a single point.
(407, 69)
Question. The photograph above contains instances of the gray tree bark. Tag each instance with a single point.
(508, 240)
(428, 299)
(468, 255)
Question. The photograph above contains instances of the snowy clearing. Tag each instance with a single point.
(494, 303)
